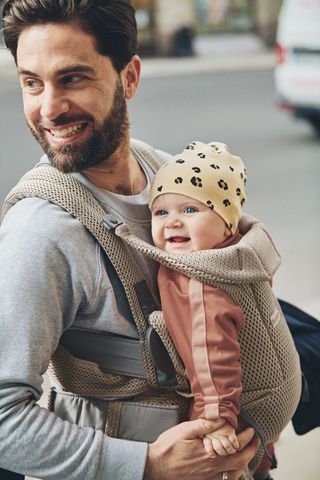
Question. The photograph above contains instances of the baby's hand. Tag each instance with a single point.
(222, 441)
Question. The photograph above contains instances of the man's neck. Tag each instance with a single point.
(121, 174)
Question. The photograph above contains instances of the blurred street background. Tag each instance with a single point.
(208, 75)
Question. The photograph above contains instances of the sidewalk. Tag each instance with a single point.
(214, 53)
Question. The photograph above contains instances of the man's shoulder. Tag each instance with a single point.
(39, 218)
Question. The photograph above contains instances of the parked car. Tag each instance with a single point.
(297, 72)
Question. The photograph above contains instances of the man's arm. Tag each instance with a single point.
(40, 291)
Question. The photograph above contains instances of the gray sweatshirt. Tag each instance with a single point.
(52, 276)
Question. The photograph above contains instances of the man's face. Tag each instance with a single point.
(73, 97)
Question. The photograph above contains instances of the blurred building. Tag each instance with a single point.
(166, 27)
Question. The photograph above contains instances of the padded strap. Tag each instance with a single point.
(245, 416)
(113, 353)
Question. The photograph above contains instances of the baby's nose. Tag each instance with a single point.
(173, 222)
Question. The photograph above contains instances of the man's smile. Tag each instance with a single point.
(66, 131)
(65, 134)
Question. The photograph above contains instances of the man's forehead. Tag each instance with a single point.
(58, 48)
(56, 39)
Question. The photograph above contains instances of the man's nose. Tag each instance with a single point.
(53, 103)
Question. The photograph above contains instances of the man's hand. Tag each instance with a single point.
(179, 453)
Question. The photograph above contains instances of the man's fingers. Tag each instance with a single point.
(236, 474)
(245, 437)
(242, 458)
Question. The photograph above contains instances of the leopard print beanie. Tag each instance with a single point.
(208, 173)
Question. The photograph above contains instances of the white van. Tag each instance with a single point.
(297, 72)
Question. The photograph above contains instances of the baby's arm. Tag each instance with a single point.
(222, 441)
(221, 399)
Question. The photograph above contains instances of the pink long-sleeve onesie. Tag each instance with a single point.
(203, 322)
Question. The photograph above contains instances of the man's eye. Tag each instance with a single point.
(72, 79)
(190, 210)
(31, 84)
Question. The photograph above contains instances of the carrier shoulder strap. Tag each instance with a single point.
(151, 156)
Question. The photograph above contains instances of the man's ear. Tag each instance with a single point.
(131, 76)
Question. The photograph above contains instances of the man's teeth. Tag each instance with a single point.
(67, 132)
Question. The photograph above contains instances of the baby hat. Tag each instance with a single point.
(208, 173)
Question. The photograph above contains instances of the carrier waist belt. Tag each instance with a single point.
(120, 354)
(113, 353)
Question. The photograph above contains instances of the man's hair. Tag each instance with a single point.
(112, 23)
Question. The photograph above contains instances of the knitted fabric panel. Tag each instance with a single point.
(256, 248)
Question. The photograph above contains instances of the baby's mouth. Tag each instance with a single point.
(178, 239)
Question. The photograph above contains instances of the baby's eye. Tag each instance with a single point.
(161, 212)
(190, 210)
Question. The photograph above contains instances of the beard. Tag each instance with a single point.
(103, 142)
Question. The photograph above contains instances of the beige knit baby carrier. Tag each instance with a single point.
(271, 375)
(141, 407)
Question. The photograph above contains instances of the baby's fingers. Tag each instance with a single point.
(219, 446)
(208, 447)
(226, 445)
(233, 439)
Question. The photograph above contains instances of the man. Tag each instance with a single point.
(78, 67)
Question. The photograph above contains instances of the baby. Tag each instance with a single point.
(196, 201)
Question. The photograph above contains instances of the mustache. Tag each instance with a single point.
(63, 120)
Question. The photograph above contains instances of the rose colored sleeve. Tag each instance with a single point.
(216, 353)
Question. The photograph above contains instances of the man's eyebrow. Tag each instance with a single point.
(62, 71)
(22, 71)
(76, 69)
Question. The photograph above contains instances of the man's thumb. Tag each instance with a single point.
(201, 427)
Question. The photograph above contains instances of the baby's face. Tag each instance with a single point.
(182, 224)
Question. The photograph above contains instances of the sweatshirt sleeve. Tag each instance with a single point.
(216, 352)
(45, 254)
